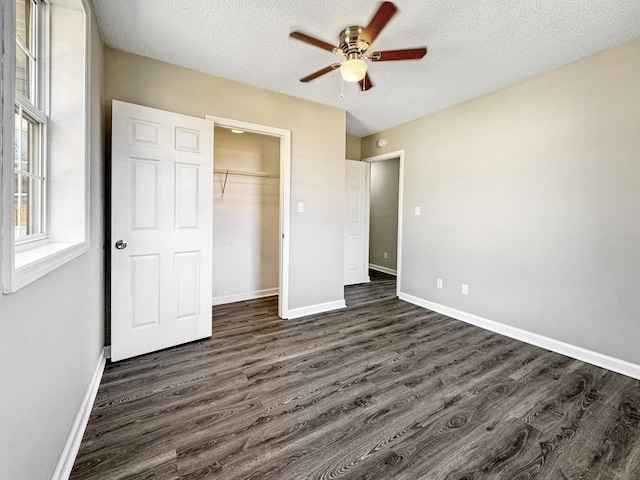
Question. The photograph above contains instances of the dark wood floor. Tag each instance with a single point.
(380, 390)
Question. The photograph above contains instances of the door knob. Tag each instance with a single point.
(121, 244)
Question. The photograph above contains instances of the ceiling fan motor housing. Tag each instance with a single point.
(351, 43)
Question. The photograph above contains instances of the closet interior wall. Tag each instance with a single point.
(245, 216)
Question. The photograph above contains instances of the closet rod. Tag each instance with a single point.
(226, 171)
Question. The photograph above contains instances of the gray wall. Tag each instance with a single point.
(531, 195)
(353, 147)
(318, 149)
(383, 225)
(51, 337)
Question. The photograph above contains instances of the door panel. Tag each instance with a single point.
(162, 204)
(187, 266)
(145, 293)
(186, 195)
(144, 190)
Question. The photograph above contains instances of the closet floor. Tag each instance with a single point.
(380, 390)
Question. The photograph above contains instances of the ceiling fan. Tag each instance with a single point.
(354, 44)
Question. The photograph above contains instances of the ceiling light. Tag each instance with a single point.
(235, 130)
(353, 70)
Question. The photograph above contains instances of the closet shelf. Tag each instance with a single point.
(228, 172)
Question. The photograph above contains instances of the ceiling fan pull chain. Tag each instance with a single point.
(342, 83)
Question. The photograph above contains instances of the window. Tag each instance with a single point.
(45, 168)
(27, 50)
(29, 172)
(30, 125)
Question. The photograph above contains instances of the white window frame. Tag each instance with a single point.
(35, 108)
(66, 237)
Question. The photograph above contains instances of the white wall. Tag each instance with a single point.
(383, 225)
(531, 196)
(246, 218)
(51, 337)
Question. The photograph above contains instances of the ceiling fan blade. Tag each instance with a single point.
(365, 83)
(406, 54)
(319, 73)
(313, 41)
(378, 22)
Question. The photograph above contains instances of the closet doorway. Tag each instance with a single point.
(250, 212)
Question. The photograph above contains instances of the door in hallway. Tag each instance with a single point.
(355, 224)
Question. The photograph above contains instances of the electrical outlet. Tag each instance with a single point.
(465, 289)
(385, 254)
(417, 210)
(439, 283)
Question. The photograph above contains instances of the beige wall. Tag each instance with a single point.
(318, 148)
(246, 218)
(51, 335)
(383, 208)
(531, 195)
(353, 151)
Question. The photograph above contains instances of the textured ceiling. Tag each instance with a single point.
(474, 46)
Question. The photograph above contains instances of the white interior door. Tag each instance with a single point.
(161, 229)
(356, 224)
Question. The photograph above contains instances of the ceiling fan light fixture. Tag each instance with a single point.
(354, 44)
(353, 69)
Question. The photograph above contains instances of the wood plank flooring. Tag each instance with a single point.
(380, 390)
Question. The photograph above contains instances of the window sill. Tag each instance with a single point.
(33, 263)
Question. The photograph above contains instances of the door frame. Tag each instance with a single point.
(380, 158)
(285, 196)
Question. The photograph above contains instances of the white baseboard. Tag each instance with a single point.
(319, 308)
(382, 269)
(240, 297)
(605, 361)
(70, 452)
